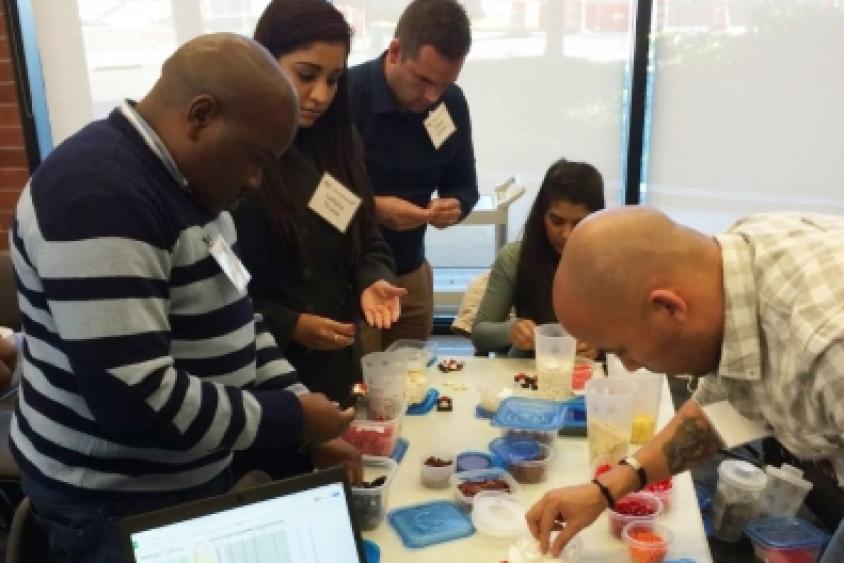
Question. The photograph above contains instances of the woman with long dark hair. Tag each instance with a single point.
(314, 276)
(523, 273)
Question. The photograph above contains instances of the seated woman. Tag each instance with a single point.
(314, 277)
(523, 273)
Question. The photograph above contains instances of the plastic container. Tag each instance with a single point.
(436, 469)
(661, 490)
(526, 550)
(646, 401)
(543, 418)
(427, 523)
(369, 504)
(494, 478)
(635, 507)
(555, 351)
(491, 397)
(785, 491)
(474, 461)
(583, 372)
(385, 376)
(609, 418)
(374, 437)
(737, 495)
(646, 542)
(786, 540)
(420, 354)
(499, 515)
(526, 460)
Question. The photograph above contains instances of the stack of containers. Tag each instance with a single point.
(384, 374)
(784, 492)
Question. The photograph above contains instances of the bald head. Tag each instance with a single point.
(223, 108)
(632, 266)
(237, 71)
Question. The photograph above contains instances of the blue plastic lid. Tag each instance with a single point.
(785, 533)
(426, 405)
(523, 413)
(467, 461)
(515, 450)
(371, 551)
(400, 450)
(425, 524)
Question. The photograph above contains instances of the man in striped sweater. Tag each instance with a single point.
(144, 366)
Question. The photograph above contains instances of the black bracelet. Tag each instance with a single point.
(606, 492)
(631, 461)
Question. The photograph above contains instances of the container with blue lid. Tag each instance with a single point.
(428, 523)
(523, 413)
(785, 533)
(471, 460)
(515, 450)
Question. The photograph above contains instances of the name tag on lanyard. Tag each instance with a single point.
(229, 262)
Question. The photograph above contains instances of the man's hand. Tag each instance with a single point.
(521, 334)
(445, 212)
(399, 214)
(570, 508)
(380, 304)
(323, 420)
(322, 333)
(336, 452)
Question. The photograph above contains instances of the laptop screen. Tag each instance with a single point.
(307, 525)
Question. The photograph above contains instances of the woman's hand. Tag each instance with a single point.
(521, 334)
(380, 304)
(322, 333)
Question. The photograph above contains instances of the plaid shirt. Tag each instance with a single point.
(782, 358)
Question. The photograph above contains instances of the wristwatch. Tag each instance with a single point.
(640, 471)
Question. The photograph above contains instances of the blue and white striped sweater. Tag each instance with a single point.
(143, 365)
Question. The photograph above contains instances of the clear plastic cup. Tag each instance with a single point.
(555, 352)
(647, 542)
(370, 504)
(737, 495)
(384, 374)
(645, 405)
(609, 418)
(785, 491)
(437, 468)
(374, 437)
(527, 549)
(635, 507)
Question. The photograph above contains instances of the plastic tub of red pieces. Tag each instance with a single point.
(647, 542)
(469, 483)
(374, 437)
(635, 507)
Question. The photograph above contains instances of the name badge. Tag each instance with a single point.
(334, 202)
(440, 125)
(229, 262)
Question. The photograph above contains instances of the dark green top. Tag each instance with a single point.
(284, 285)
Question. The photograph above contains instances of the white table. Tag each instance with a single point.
(460, 430)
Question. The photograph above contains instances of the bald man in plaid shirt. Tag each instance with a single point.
(757, 313)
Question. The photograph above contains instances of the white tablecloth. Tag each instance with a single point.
(460, 430)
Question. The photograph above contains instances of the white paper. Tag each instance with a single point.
(334, 202)
(733, 428)
(229, 262)
(440, 125)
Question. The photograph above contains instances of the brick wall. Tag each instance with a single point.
(14, 167)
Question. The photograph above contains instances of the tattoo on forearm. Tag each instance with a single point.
(692, 442)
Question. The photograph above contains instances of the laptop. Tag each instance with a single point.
(304, 519)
